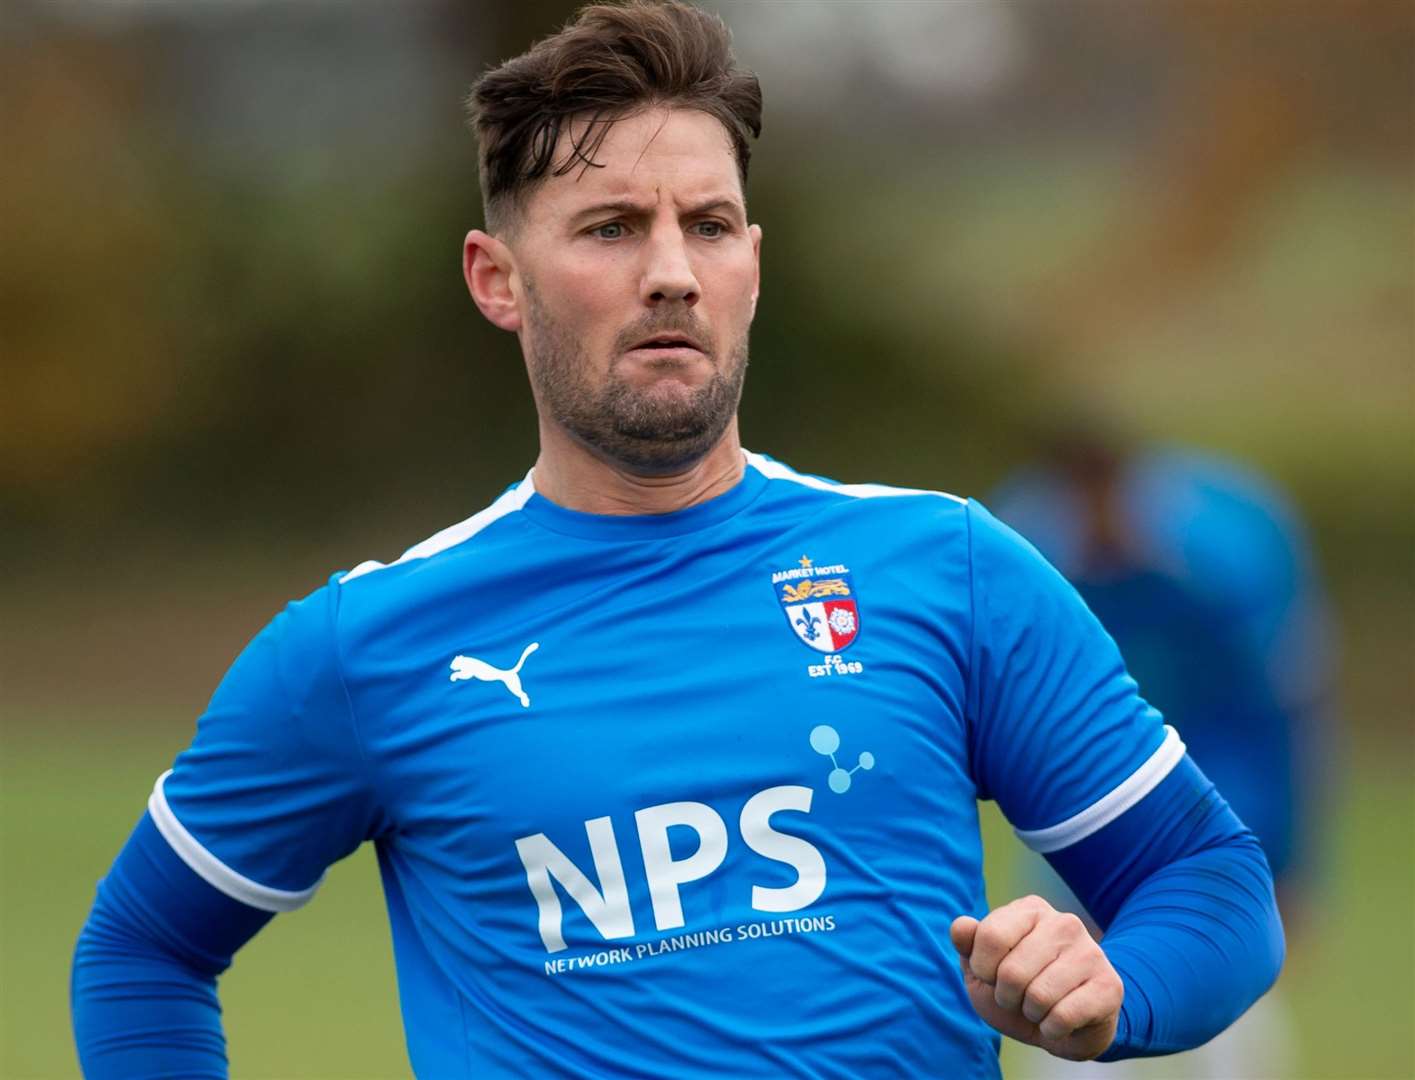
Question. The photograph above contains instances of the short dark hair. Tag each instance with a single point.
(609, 61)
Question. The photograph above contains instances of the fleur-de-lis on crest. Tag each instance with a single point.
(808, 623)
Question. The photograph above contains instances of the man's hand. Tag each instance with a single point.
(1036, 975)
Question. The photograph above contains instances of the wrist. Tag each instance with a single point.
(1134, 1009)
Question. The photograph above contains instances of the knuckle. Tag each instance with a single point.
(1039, 998)
(990, 937)
(1071, 927)
(1112, 989)
(1005, 996)
(1011, 972)
(1064, 1017)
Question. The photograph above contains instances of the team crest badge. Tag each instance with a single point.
(819, 604)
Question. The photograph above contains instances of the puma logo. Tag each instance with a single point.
(469, 667)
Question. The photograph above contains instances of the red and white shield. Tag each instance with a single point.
(827, 625)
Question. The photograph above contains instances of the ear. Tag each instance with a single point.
(755, 232)
(488, 267)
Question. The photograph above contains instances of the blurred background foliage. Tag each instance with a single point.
(238, 354)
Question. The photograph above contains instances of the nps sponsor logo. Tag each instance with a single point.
(819, 603)
(607, 905)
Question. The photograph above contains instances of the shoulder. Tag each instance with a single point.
(483, 529)
(409, 595)
(1003, 559)
(875, 500)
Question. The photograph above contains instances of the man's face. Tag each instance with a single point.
(637, 283)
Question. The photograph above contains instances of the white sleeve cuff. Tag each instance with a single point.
(1112, 804)
(211, 869)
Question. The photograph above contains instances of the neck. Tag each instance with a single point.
(569, 475)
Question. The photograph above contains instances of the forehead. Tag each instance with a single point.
(659, 153)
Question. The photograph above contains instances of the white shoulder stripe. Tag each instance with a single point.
(212, 870)
(774, 470)
(1111, 805)
(453, 535)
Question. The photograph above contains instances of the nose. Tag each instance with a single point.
(668, 271)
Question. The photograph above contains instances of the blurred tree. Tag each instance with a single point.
(1256, 88)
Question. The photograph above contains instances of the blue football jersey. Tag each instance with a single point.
(691, 794)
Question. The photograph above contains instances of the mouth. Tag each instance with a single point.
(667, 344)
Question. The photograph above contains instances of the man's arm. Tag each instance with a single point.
(1090, 776)
(143, 990)
(1192, 934)
(274, 788)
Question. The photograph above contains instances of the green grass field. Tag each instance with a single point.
(314, 995)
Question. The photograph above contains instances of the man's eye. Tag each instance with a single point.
(710, 229)
(610, 230)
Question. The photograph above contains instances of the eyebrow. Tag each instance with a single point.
(631, 208)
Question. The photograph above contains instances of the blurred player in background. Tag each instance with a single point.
(671, 755)
(1202, 573)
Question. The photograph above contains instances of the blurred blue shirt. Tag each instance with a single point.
(1212, 596)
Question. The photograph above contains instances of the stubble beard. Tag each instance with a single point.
(647, 432)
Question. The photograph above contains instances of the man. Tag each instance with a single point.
(671, 755)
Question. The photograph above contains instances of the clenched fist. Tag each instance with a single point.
(1036, 975)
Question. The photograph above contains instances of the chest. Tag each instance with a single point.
(653, 673)
(739, 719)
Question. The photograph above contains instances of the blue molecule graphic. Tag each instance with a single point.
(825, 740)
